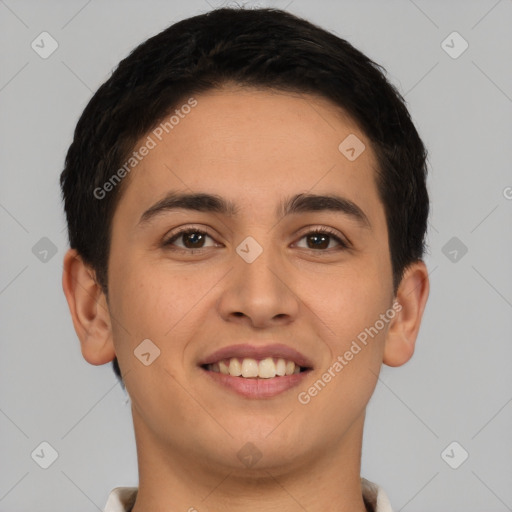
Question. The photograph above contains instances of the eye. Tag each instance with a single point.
(320, 239)
(192, 238)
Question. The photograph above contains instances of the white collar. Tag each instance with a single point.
(121, 499)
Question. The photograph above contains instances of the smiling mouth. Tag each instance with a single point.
(250, 368)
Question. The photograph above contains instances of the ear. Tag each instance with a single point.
(89, 310)
(411, 297)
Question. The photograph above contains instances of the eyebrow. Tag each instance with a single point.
(300, 203)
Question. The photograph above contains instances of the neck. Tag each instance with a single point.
(171, 480)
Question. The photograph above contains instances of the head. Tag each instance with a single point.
(250, 105)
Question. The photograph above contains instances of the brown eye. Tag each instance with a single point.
(320, 239)
(190, 238)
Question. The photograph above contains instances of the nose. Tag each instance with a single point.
(260, 293)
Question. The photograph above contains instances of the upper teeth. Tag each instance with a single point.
(251, 368)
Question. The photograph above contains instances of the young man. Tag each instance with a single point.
(247, 206)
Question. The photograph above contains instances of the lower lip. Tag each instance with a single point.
(255, 387)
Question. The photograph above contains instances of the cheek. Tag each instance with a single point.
(151, 303)
(355, 339)
(162, 303)
(349, 301)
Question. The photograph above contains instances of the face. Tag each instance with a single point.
(213, 288)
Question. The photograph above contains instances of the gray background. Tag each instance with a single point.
(457, 387)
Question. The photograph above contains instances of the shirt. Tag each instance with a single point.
(122, 499)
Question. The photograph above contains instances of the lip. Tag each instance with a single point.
(258, 352)
(257, 388)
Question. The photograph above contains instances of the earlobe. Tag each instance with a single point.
(89, 310)
(412, 297)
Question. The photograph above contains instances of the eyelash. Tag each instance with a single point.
(316, 231)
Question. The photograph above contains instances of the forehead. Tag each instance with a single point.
(254, 145)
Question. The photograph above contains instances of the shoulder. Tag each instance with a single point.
(121, 499)
(375, 496)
